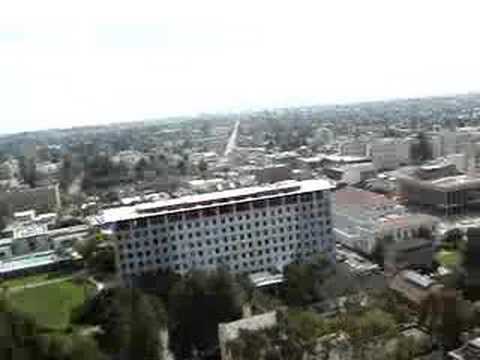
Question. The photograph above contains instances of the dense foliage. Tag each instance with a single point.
(22, 339)
(131, 323)
(197, 304)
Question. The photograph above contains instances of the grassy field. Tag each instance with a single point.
(51, 304)
(448, 259)
(32, 279)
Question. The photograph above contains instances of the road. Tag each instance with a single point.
(76, 186)
(232, 141)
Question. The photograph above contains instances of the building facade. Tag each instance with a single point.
(244, 230)
(42, 199)
(440, 187)
(353, 148)
(362, 218)
(390, 153)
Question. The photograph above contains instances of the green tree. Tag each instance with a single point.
(300, 285)
(306, 283)
(23, 339)
(131, 322)
(197, 304)
(443, 312)
(406, 348)
(453, 238)
(97, 253)
(470, 267)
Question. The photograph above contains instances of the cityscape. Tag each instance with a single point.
(312, 233)
(239, 180)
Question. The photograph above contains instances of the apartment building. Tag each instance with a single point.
(243, 230)
(390, 153)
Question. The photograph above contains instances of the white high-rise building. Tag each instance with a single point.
(243, 230)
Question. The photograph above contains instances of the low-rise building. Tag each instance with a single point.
(413, 286)
(206, 185)
(353, 148)
(440, 187)
(272, 174)
(356, 214)
(332, 161)
(352, 174)
(390, 153)
(362, 218)
(416, 253)
(42, 199)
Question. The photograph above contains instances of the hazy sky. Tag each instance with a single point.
(66, 63)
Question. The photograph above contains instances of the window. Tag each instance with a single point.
(275, 201)
(291, 199)
(259, 204)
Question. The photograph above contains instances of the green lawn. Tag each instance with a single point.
(51, 304)
(448, 258)
(32, 279)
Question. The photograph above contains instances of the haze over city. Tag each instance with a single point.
(64, 64)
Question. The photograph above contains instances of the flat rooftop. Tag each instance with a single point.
(459, 180)
(200, 201)
(449, 182)
(407, 219)
(346, 158)
(30, 230)
(361, 198)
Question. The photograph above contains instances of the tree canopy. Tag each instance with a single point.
(23, 339)
(131, 322)
(197, 304)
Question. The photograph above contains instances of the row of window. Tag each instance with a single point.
(217, 242)
(233, 238)
(272, 225)
(197, 214)
(226, 249)
(141, 266)
(214, 222)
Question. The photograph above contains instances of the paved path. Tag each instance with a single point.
(76, 186)
(39, 284)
